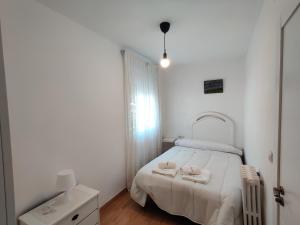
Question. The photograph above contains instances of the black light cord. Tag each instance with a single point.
(164, 42)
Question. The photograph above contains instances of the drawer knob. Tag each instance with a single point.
(75, 217)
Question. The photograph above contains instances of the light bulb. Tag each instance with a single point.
(165, 62)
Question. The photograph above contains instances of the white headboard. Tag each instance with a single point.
(214, 126)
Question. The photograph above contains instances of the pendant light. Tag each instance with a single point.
(164, 27)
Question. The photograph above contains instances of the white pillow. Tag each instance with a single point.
(208, 145)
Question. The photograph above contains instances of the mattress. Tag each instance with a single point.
(216, 203)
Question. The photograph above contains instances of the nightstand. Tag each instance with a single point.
(81, 209)
(168, 143)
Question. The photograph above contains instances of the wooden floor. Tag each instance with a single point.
(124, 211)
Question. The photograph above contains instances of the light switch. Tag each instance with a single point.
(271, 156)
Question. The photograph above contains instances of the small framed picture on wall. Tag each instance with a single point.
(213, 86)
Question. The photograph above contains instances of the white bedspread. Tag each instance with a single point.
(215, 203)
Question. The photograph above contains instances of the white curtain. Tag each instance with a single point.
(143, 136)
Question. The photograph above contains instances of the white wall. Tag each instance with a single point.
(286, 9)
(183, 95)
(65, 96)
(262, 97)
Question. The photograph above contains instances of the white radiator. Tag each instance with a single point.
(251, 192)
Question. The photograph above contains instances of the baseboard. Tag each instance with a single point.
(113, 198)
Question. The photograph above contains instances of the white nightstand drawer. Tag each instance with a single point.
(92, 219)
(81, 213)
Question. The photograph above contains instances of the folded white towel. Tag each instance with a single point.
(203, 178)
(167, 165)
(190, 170)
(165, 172)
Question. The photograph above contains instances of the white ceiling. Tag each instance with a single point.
(200, 29)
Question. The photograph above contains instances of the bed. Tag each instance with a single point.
(216, 203)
